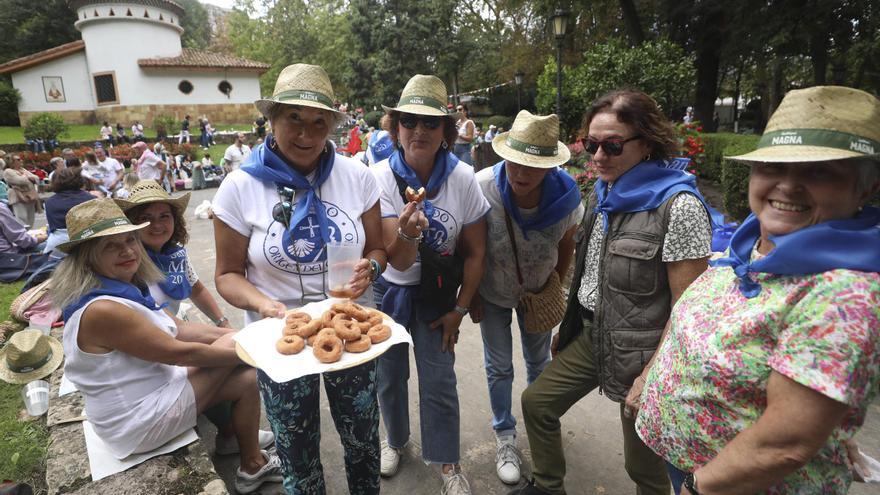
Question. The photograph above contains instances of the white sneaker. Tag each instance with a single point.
(454, 483)
(390, 460)
(270, 472)
(507, 459)
(229, 445)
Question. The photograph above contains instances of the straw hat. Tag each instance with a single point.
(93, 219)
(422, 95)
(533, 141)
(304, 85)
(29, 355)
(149, 191)
(818, 124)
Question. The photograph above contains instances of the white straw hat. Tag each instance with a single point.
(422, 95)
(304, 85)
(533, 141)
(96, 218)
(29, 355)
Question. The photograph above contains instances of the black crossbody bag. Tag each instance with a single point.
(441, 275)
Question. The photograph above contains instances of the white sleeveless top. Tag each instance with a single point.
(125, 396)
(462, 131)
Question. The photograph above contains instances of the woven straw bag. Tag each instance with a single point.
(541, 310)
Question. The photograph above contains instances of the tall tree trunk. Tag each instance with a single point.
(776, 90)
(633, 24)
(819, 56)
(708, 61)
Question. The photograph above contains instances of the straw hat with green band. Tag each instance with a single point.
(93, 219)
(821, 123)
(533, 141)
(29, 355)
(149, 191)
(422, 95)
(304, 85)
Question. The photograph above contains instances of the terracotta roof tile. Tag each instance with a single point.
(196, 59)
(41, 57)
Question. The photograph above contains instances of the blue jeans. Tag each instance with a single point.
(438, 396)
(463, 152)
(676, 476)
(498, 355)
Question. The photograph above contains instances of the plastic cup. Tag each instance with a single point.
(36, 397)
(341, 259)
(41, 327)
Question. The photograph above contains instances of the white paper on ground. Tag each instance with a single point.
(259, 338)
(873, 465)
(65, 387)
(103, 463)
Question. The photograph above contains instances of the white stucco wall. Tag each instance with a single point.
(159, 86)
(75, 78)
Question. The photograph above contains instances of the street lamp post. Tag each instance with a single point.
(518, 78)
(560, 23)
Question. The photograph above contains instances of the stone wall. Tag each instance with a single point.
(70, 116)
(218, 113)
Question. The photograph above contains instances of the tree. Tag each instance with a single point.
(45, 126)
(30, 27)
(195, 24)
(9, 98)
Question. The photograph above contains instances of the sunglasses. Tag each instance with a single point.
(613, 147)
(410, 121)
(281, 210)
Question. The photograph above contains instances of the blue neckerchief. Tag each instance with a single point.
(559, 197)
(172, 262)
(115, 288)
(444, 164)
(643, 187)
(852, 244)
(266, 165)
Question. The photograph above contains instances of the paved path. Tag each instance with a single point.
(591, 429)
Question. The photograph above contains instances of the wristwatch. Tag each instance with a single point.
(461, 310)
(690, 482)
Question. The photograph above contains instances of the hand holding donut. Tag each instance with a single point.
(412, 220)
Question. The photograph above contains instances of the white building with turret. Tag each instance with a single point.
(130, 65)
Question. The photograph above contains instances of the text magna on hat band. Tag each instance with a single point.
(303, 95)
(422, 100)
(820, 137)
(29, 367)
(99, 227)
(531, 149)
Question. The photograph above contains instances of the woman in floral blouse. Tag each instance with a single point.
(773, 354)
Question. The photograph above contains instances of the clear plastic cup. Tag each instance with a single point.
(341, 259)
(36, 397)
(41, 327)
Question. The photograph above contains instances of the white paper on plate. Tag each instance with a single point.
(873, 476)
(102, 463)
(65, 387)
(259, 338)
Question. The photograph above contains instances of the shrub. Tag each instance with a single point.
(9, 99)
(46, 126)
(692, 145)
(500, 121)
(166, 125)
(735, 175)
(372, 118)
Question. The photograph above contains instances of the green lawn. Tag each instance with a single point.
(87, 133)
(22, 444)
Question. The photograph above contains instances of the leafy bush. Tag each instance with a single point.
(659, 68)
(9, 99)
(735, 175)
(47, 126)
(692, 145)
(499, 121)
(372, 118)
(166, 125)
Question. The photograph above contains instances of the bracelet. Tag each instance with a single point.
(461, 310)
(375, 270)
(221, 321)
(402, 235)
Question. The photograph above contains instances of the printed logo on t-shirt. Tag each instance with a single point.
(441, 228)
(304, 252)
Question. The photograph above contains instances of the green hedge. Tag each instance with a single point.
(733, 177)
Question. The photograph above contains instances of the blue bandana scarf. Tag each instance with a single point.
(852, 244)
(173, 263)
(115, 288)
(266, 165)
(643, 187)
(559, 197)
(444, 164)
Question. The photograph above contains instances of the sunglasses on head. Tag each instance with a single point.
(613, 147)
(410, 121)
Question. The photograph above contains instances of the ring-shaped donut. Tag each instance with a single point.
(323, 331)
(346, 329)
(327, 349)
(360, 345)
(297, 316)
(379, 333)
(352, 309)
(306, 330)
(290, 344)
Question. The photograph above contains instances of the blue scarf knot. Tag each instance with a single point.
(444, 164)
(173, 263)
(644, 187)
(852, 244)
(559, 197)
(264, 164)
(115, 288)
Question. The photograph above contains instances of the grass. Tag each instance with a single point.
(89, 133)
(23, 444)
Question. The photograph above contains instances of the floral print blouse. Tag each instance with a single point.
(709, 380)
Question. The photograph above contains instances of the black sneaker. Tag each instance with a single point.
(530, 489)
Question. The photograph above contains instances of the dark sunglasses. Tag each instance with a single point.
(281, 210)
(410, 121)
(613, 147)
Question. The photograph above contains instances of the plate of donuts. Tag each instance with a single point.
(329, 335)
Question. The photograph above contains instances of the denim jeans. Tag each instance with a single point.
(676, 476)
(463, 152)
(438, 395)
(293, 410)
(498, 355)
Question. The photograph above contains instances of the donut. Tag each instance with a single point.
(327, 318)
(415, 195)
(296, 316)
(324, 331)
(352, 309)
(371, 322)
(360, 345)
(346, 329)
(327, 348)
(290, 344)
(304, 330)
(379, 333)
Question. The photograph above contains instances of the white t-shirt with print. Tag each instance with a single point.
(112, 166)
(459, 203)
(294, 273)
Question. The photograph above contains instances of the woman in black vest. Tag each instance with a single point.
(645, 237)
